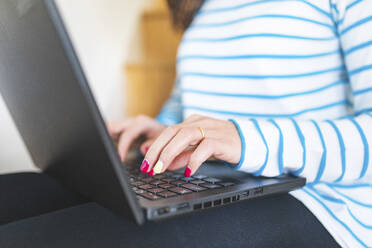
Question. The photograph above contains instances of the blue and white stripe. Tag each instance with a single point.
(295, 76)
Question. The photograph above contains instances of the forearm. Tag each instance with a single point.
(332, 150)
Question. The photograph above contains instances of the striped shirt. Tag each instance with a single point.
(295, 77)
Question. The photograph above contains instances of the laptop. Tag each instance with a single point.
(47, 94)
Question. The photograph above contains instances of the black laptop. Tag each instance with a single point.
(47, 93)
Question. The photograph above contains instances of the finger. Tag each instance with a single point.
(184, 138)
(152, 154)
(127, 138)
(115, 128)
(181, 160)
(201, 154)
(146, 145)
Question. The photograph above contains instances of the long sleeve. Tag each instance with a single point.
(328, 150)
(171, 112)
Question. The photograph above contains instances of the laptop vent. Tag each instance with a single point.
(222, 201)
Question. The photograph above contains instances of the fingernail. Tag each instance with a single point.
(158, 167)
(187, 172)
(151, 173)
(144, 166)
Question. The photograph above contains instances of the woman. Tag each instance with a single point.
(268, 86)
(272, 87)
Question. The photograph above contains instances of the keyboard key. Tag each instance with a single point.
(139, 191)
(177, 176)
(187, 179)
(226, 184)
(212, 180)
(160, 176)
(199, 176)
(197, 181)
(168, 180)
(146, 186)
(166, 186)
(149, 196)
(178, 182)
(156, 190)
(140, 197)
(137, 183)
(167, 194)
(157, 182)
(148, 179)
(180, 191)
(210, 185)
(193, 187)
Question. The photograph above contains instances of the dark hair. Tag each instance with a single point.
(183, 11)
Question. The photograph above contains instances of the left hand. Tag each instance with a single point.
(184, 145)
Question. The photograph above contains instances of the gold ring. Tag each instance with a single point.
(202, 132)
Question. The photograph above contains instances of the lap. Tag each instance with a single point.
(25, 195)
(276, 221)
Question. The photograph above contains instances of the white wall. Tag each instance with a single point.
(103, 33)
(13, 155)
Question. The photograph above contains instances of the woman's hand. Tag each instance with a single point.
(184, 145)
(126, 131)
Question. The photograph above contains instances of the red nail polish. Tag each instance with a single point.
(151, 173)
(144, 166)
(187, 172)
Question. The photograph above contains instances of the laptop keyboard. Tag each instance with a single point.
(172, 184)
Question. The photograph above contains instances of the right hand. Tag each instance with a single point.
(125, 132)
